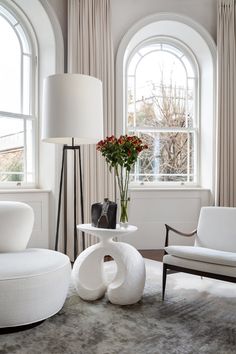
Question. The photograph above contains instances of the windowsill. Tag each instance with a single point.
(24, 190)
(165, 188)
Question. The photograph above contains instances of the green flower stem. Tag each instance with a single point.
(118, 177)
(123, 183)
(126, 183)
(121, 177)
(124, 211)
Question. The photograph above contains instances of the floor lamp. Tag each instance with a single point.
(72, 115)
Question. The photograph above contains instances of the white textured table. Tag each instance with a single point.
(88, 274)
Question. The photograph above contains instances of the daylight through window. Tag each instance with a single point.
(17, 104)
(161, 108)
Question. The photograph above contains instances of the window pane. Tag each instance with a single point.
(10, 69)
(191, 102)
(192, 158)
(8, 15)
(169, 157)
(23, 38)
(172, 49)
(133, 64)
(188, 67)
(161, 91)
(149, 48)
(11, 149)
(165, 107)
(26, 84)
(130, 102)
(160, 66)
(17, 132)
(29, 150)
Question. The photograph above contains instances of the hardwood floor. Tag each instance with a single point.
(155, 255)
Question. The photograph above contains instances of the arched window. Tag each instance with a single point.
(162, 108)
(165, 93)
(17, 100)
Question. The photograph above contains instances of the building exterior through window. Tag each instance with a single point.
(162, 109)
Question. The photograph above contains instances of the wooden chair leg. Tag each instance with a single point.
(164, 280)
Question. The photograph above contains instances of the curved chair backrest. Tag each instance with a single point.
(217, 228)
(16, 224)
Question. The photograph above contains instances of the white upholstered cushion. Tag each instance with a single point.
(201, 266)
(33, 285)
(16, 224)
(30, 262)
(217, 228)
(203, 254)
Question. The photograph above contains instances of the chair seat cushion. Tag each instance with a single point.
(200, 266)
(30, 263)
(33, 285)
(203, 254)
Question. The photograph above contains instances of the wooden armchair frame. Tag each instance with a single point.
(166, 266)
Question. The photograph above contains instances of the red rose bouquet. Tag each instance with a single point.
(121, 154)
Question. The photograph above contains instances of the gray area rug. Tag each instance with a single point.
(198, 316)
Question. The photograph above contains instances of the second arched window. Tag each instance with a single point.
(162, 109)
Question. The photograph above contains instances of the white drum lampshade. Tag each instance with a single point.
(72, 108)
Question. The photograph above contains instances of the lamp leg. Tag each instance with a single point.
(75, 210)
(65, 202)
(81, 198)
(59, 200)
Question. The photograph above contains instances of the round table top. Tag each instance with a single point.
(96, 231)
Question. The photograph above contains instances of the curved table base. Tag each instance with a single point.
(127, 286)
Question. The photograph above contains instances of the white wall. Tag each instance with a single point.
(151, 209)
(60, 9)
(125, 13)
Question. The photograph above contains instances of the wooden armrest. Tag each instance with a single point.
(169, 228)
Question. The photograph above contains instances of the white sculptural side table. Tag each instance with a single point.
(88, 273)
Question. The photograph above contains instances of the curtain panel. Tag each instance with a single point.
(226, 115)
(90, 52)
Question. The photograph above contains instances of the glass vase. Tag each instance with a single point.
(122, 175)
(124, 213)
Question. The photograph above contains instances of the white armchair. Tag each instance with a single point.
(214, 252)
(33, 281)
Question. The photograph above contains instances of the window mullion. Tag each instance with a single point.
(188, 156)
(16, 115)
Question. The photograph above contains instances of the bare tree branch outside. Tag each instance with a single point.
(161, 113)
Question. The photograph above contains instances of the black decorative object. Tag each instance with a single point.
(104, 214)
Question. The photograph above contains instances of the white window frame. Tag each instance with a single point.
(21, 20)
(200, 42)
(187, 53)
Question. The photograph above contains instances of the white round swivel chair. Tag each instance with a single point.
(33, 282)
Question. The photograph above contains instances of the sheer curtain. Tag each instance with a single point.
(90, 52)
(226, 150)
